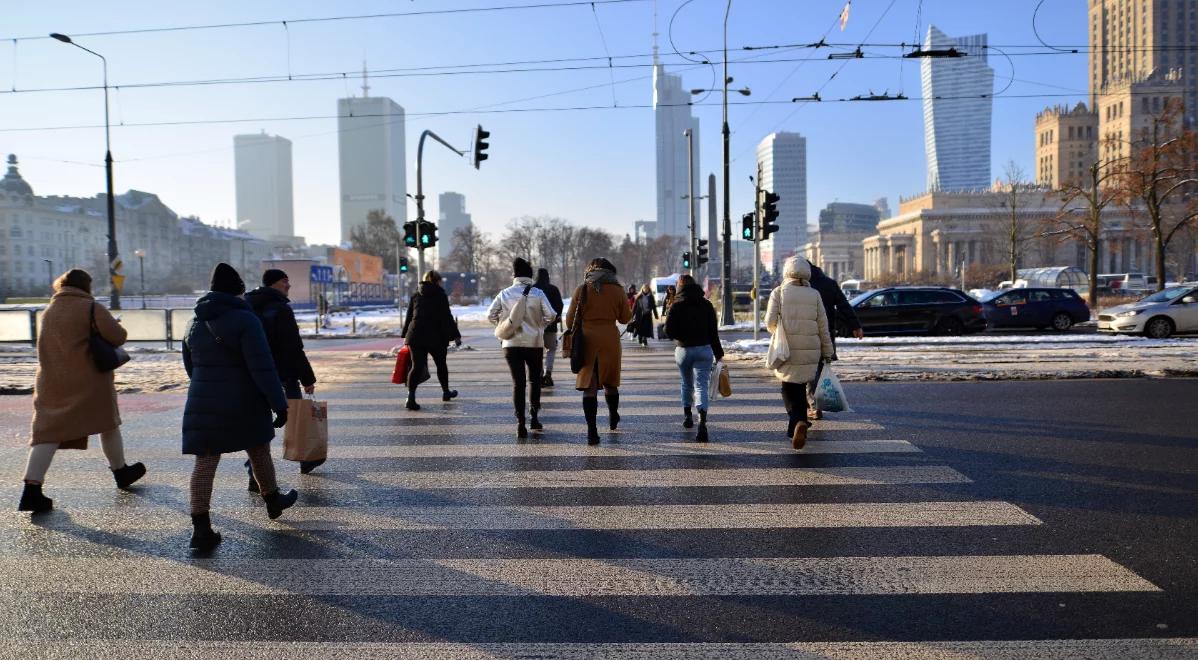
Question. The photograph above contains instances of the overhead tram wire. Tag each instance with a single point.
(326, 19)
(1036, 31)
(603, 40)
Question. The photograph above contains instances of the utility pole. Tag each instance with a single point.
(690, 196)
(757, 222)
(420, 196)
(712, 233)
(726, 285)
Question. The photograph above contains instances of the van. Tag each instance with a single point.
(1124, 283)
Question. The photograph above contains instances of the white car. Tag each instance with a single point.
(1164, 313)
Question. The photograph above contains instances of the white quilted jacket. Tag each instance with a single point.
(799, 309)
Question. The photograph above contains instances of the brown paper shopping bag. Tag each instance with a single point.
(306, 435)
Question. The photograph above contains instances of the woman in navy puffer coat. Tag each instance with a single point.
(234, 387)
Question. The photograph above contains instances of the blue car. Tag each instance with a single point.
(1058, 309)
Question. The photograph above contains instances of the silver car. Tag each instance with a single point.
(1160, 315)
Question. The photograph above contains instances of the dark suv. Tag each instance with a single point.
(918, 310)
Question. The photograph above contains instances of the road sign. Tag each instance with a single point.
(321, 274)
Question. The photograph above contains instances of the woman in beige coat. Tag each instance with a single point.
(72, 399)
(796, 309)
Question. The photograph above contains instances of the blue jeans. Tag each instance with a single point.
(694, 362)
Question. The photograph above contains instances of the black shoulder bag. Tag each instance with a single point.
(572, 339)
(105, 356)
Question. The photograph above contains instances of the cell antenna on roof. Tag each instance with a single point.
(365, 86)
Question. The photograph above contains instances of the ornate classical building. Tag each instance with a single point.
(1066, 145)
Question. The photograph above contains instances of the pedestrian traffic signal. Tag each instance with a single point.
(686, 259)
(409, 233)
(747, 230)
(480, 145)
(703, 251)
(428, 234)
(769, 214)
(403, 265)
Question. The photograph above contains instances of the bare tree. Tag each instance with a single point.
(378, 237)
(469, 248)
(1019, 228)
(1081, 216)
(1161, 180)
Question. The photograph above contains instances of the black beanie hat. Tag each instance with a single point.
(226, 280)
(273, 275)
(521, 268)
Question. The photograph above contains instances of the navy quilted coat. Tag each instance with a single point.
(234, 386)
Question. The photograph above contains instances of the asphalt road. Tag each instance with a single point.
(995, 519)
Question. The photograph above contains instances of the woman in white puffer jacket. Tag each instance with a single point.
(797, 309)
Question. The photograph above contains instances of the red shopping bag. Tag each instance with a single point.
(403, 362)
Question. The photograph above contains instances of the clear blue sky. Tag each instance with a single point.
(593, 167)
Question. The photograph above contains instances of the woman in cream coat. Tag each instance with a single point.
(797, 309)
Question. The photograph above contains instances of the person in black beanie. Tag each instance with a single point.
(524, 352)
(234, 387)
(272, 306)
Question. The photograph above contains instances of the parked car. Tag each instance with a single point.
(918, 310)
(1037, 308)
(1124, 283)
(1160, 315)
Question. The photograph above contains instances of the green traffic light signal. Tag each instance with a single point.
(686, 259)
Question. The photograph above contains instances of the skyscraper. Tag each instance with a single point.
(957, 109)
(672, 116)
(262, 174)
(370, 147)
(1131, 40)
(782, 158)
(452, 216)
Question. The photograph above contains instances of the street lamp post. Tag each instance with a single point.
(141, 266)
(50, 273)
(690, 196)
(113, 255)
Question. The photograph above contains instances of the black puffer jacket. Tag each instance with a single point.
(553, 294)
(836, 306)
(691, 321)
(282, 333)
(429, 321)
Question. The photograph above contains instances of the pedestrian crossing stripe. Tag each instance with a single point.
(574, 577)
(616, 517)
(1039, 649)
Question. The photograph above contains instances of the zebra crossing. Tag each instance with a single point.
(439, 534)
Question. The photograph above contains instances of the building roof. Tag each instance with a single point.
(12, 182)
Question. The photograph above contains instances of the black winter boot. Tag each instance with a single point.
(687, 420)
(701, 435)
(534, 422)
(33, 501)
(128, 474)
(308, 466)
(613, 410)
(253, 485)
(590, 408)
(547, 381)
(448, 395)
(411, 404)
(277, 502)
(203, 537)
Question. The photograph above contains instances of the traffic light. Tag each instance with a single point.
(686, 259)
(480, 145)
(428, 234)
(409, 233)
(703, 251)
(747, 229)
(769, 214)
(403, 265)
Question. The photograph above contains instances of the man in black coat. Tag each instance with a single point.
(555, 301)
(272, 306)
(839, 311)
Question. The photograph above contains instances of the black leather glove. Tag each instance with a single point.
(280, 419)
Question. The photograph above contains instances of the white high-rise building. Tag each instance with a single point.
(957, 109)
(262, 174)
(782, 158)
(451, 217)
(672, 116)
(370, 146)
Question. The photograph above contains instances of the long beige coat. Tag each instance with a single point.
(71, 398)
(801, 311)
(600, 315)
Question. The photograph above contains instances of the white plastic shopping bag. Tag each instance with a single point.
(829, 395)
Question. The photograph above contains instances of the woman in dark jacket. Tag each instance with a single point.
(427, 331)
(644, 313)
(234, 387)
(692, 325)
